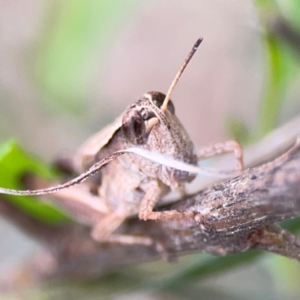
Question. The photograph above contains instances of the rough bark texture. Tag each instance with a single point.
(233, 216)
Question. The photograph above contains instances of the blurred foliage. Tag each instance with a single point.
(279, 76)
(237, 129)
(70, 45)
(202, 268)
(281, 65)
(290, 10)
(281, 70)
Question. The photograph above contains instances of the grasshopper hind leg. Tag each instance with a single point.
(103, 231)
(222, 148)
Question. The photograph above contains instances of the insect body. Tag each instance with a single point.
(131, 184)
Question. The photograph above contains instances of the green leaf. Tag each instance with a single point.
(14, 163)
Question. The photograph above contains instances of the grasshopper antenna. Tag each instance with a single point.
(179, 73)
(81, 178)
(167, 161)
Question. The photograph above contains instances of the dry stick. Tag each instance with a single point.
(236, 216)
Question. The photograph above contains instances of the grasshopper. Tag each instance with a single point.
(130, 184)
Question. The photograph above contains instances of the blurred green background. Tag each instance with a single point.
(67, 68)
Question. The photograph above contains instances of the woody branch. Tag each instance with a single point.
(232, 216)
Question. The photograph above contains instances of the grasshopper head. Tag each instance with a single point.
(146, 125)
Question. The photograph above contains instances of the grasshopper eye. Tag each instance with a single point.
(134, 128)
(147, 114)
(159, 98)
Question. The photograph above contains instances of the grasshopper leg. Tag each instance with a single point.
(222, 148)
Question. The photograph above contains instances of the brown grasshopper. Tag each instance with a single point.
(131, 184)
